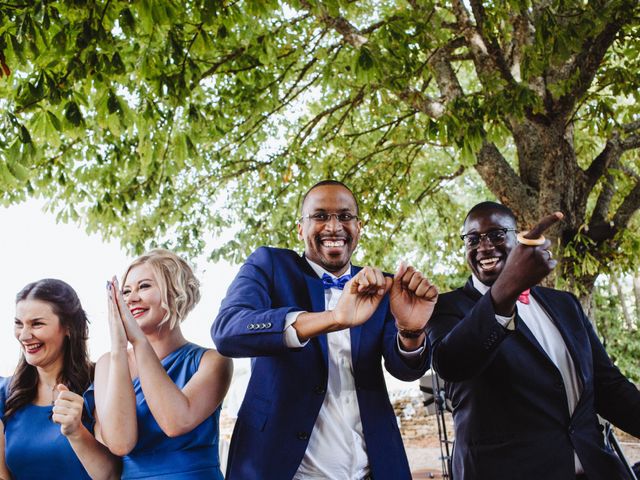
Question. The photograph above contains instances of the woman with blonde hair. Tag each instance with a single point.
(158, 402)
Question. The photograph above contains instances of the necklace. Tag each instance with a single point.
(53, 392)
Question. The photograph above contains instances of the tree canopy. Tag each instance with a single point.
(173, 120)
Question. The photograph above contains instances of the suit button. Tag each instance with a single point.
(571, 431)
(303, 436)
(320, 390)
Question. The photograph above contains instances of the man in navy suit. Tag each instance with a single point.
(525, 371)
(317, 329)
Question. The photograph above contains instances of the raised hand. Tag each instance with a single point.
(361, 297)
(67, 411)
(412, 298)
(528, 263)
(132, 330)
(116, 327)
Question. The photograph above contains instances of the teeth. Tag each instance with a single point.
(33, 347)
(488, 262)
(337, 243)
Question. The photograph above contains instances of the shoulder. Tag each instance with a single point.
(4, 393)
(214, 366)
(270, 260)
(454, 298)
(263, 253)
(557, 296)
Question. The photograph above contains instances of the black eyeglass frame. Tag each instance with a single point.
(482, 236)
(316, 217)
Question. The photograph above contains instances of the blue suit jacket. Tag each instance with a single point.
(287, 386)
(510, 408)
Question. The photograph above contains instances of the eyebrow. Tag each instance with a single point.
(139, 281)
(30, 319)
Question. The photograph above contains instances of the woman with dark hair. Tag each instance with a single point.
(158, 403)
(45, 426)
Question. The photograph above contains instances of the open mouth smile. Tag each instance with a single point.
(32, 347)
(138, 311)
(488, 264)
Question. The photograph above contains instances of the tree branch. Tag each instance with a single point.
(629, 206)
(351, 34)
(487, 58)
(446, 78)
(587, 63)
(612, 152)
(422, 103)
(503, 181)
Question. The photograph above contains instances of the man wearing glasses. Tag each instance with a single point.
(525, 372)
(318, 328)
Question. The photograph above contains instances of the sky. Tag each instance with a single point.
(34, 246)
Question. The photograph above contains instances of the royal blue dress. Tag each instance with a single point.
(34, 447)
(192, 456)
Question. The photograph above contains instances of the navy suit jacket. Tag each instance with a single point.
(509, 403)
(287, 386)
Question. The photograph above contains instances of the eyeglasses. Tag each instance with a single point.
(323, 217)
(496, 237)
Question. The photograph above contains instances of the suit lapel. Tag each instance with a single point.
(471, 291)
(356, 332)
(316, 300)
(564, 328)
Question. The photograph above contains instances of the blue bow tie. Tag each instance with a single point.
(329, 282)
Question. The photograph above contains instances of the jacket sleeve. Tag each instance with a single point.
(616, 398)
(400, 366)
(464, 336)
(247, 324)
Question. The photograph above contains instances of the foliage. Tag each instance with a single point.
(621, 340)
(170, 121)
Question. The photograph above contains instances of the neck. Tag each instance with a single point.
(49, 375)
(165, 340)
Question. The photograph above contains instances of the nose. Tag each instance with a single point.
(132, 297)
(333, 223)
(485, 243)
(24, 333)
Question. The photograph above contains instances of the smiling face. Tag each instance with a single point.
(40, 333)
(142, 293)
(330, 244)
(487, 260)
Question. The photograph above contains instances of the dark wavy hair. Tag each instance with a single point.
(77, 368)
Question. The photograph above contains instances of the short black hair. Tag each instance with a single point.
(329, 182)
(489, 206)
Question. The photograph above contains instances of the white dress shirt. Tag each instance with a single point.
(336, 448)
(550, 339)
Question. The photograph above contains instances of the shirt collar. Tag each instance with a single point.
(481, 287)
(321, 271)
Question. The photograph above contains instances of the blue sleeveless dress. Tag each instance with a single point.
(34, 447)
(192, 456)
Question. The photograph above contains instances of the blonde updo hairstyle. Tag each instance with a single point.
(179, 287)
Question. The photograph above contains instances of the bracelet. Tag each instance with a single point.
(531, 242)
(404, 333)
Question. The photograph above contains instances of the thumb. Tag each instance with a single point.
(396, 285)
(61, 387)
(388, 284)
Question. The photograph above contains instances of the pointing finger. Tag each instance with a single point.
(544, 224)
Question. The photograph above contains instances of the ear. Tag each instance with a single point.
(359, 229)
(299, 228)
